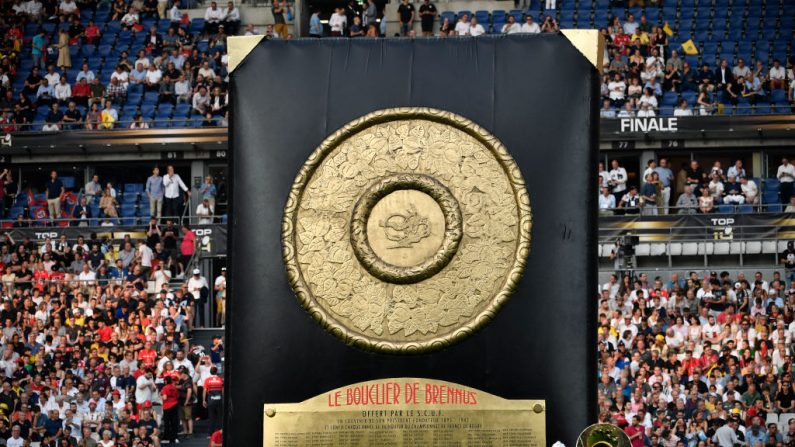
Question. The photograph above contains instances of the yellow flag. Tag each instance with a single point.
(690, 47)
(668, 30)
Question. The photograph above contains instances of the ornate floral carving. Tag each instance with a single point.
(387, 308)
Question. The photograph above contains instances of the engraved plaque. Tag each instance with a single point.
(405, 412)
(406, 230)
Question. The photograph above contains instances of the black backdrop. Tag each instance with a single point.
(538, 95)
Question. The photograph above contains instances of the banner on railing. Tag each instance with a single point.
(698, 226)
(212, 238)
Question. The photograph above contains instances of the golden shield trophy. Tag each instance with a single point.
(603, 435)
(406, 230)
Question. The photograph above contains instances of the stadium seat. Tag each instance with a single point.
(721, 248)
(753, 247)
(642, 250)
(689, 249)
(725, 209)
(745, 208)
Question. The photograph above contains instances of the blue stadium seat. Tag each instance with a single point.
(482, 16)
(726, 209)
(745, 208)
(774, 208)
(148, 111)
(771, 184)
(150, 98)
(517, 14)
(129, 198)
(449, 15)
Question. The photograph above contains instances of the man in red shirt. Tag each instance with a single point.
(635, 431)
(217, 439)
(147, 355)
(213, 398)
(187, 247)
(170, 396)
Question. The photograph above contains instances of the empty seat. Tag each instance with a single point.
(736, 247)
(706, 248)
(657, 249)
(674, 249)
(769, 247)
(643, 250)
(690, 248)
(753, 247)
(720, 248)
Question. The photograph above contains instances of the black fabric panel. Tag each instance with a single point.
(535, 93)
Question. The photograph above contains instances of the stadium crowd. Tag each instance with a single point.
(641, 66)
(698, 361)
(96, 342)
(72, 88)
(696, 189)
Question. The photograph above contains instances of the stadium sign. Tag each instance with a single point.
(649, 124)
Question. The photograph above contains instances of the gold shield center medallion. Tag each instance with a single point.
(406, 230)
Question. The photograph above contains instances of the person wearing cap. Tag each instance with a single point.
(187, 397)
(199, 289)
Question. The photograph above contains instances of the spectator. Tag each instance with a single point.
(64, 58)
(94, 117)
(205, 212)
(786, 176)
(607, 110)
(315, 26)
(232, 19)
(646, 111)
(749, 191)
(109, 115)
(213, 16)
(476, 29)
(607, 202)
(631, 201)
(63, 91)
(201, 101)
(462, 27)
(683, 109)
(138, 122)
(279, 9)
(39, 48)
(182, 89)
(549, 25)
(174, 15)
(172, 201)
(687, 202)
(72, 118)
(92, 33)
(45, 94)
(55, 193)
(117, 91)
(511, 27)
(777, 76)
(130, 20)
(529, 26)
(55, 116)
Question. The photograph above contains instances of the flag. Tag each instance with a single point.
(668, 30)
(690, 47)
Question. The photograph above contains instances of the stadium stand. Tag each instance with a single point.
(679, 45)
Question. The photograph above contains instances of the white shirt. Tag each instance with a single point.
(476, 30)
(141, 394)
(154, 76)
(204, 212)
(87, 276)
(532, 28)
(213, 15)
(462, 28)
(52, 78)
(146, 255)
(174, 15)
(123, 77)
(68, 7)
(172, 185)
(511, 28)
(144, 61)
(619, 177)
(777, 73)
(607, 202)
(617, 89)
(682, 112)
(233, 15)
(646, 113)
(195, 286)
(130, 18)
(786, 174)
(15, 442)
(749, 189)
(337, 22)
(63, 91)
